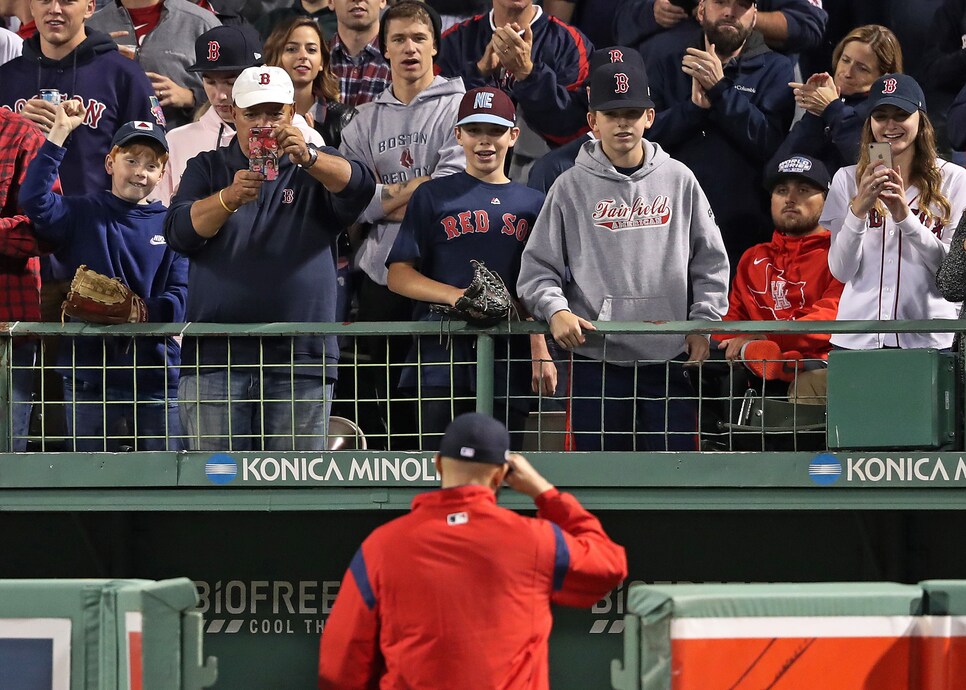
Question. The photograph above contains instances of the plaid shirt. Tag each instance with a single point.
(19, 265)
(363, 77)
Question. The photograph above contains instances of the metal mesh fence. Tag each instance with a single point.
(391, 386)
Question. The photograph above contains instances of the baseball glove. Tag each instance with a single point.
(95, 298)
(485, 302)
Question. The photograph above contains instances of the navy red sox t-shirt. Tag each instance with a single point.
(451, 220)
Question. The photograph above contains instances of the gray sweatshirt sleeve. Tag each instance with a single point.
(543, 265)
(353, 147)
(709, 267)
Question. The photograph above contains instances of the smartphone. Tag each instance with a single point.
(263, 152)
(880, 153)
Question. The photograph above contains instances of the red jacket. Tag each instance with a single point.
(457, 594)
(787, 279)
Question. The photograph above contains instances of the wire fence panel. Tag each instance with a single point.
(395, 386)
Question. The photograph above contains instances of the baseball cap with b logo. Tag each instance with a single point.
(899, 90)
(487, 105)
(616, 85)
(257, 85)
(225, 49)
(610, 55)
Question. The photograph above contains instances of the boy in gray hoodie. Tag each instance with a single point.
(626, 235)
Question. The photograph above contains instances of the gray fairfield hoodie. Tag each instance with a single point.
(399, 142)
(609, 247)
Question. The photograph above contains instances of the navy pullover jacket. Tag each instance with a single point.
(272, 261)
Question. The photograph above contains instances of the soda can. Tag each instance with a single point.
(51, 96)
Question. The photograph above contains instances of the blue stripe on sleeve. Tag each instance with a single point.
(358, 569)
(561, 558)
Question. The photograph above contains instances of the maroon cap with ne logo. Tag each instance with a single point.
(616, 85)
(487, 105)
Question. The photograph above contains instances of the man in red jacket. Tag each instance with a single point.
(788, 279)
(457, 593)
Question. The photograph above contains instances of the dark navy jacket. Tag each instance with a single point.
(123, 240)
(552, 98)
(274, 260)
(727, 145)
(634, 23)
(552, 165)
(832, 138)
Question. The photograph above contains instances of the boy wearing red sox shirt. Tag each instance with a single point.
(627, 234)
(478, 214)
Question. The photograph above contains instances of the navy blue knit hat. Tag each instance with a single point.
(476, 437)
(433, 17)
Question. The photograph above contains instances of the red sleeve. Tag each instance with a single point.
(587, 564)
(736, 297)
(349, 656)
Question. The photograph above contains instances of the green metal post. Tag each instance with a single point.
(484, 373)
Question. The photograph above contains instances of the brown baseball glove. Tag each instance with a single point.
(95, 298)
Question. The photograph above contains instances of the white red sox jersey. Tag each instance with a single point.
(889, 269)
(400, 142)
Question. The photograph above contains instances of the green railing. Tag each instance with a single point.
(354, 478)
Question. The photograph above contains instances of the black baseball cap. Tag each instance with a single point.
(617, 85)
(476, 437)
(225, 49)
(610, 55)
(899, 90)
(139, 129)
(799, 166)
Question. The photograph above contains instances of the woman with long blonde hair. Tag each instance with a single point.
(835, 104)
(299, 48)
(891, 226)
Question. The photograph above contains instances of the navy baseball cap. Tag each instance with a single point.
(476, 437)
(616, 85)
(802, 167)
(487, 105)
(613, 54)
(225, 49)
(139, 129)
(899, 90)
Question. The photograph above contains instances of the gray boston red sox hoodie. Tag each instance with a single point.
(399, 142)
(609, 247)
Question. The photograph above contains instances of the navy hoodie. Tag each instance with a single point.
(114, 90)
(119, 239)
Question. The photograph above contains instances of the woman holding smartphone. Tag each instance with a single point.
(892, 225)
(835, 104)
(299, 48)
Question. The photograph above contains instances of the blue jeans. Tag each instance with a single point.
(648, 407)
(103, 419)
(21, 393)
(254, 410)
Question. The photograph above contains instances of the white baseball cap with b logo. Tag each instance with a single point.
(257, 85)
